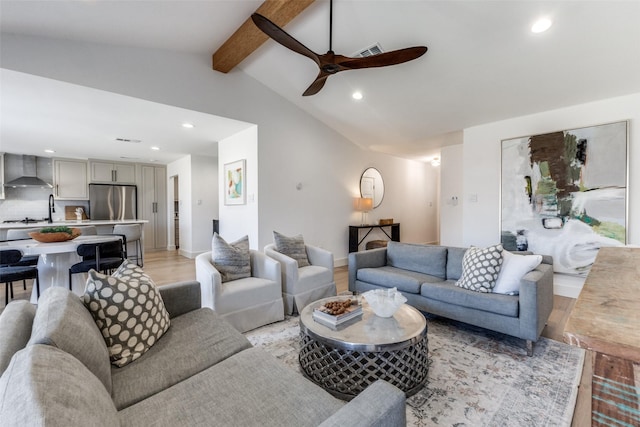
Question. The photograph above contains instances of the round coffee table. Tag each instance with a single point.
(346, 360)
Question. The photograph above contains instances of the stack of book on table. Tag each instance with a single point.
(336, 313)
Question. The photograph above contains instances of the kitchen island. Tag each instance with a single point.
(102, 226)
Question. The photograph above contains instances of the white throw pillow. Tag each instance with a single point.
(514, 267)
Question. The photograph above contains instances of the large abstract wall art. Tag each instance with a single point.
(564, 194)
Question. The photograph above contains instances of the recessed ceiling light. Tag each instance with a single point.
(541, 25)
(357, 96)
(435, 161)
(188, 125)
(49, 151)
(155, 148)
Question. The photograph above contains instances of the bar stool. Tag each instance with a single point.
(103, 256)
(133, 233)
(10, 271)
(23, 234)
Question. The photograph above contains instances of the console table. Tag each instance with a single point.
(354, 231)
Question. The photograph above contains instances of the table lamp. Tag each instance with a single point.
(364, 205)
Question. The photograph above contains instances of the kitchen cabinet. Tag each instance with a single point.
(153, 207)
(70, 179)
(121, 173)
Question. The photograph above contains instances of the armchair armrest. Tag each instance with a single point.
(210, 280)
(265, 267)
(379, 405)
(366, 259)
(319, 256)
(288, 265)
(180, 298)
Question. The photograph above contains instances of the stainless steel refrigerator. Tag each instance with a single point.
(113, 202)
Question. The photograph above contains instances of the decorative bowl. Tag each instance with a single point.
(55, 236)
(384, 302)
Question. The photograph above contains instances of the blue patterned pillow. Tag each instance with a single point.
(480, 268)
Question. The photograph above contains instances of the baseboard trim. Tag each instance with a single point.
(567, 286)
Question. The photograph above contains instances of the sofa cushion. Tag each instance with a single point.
(312, 276)
(232, 260)
(480, 268)
(46, 386)
(196, 340)
(248, 292)
(293, 247)
(513, 269)
(454, 262)
(392, 277)
(448, 292)
(128, 310)
(276, 395)
(63, 321)
(427, 259)
(16, 321)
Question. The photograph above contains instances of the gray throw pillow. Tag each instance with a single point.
(293, 247)
(480, 268)
(128, 310)
(232, 260)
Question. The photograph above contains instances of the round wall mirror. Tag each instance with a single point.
(372, 185)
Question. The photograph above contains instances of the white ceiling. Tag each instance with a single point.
(483, 63)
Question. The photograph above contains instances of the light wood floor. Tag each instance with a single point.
(166, 267)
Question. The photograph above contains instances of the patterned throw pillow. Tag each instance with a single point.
(293, 247)
(480, 268)
(128, 310)
(232, 260)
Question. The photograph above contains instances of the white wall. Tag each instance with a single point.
(451, 196)
(292, 146)
(237, 221)
(204, 201)
(481, 168)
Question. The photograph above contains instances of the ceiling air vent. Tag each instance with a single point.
(135, 141)
(370, 51)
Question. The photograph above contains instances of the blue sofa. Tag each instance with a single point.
(426, 276)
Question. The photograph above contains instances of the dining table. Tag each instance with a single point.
(55, 259)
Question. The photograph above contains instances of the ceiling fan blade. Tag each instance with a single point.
(281, 36)
(317, 84)
(384, 59)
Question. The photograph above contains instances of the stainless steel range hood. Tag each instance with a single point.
(29, 176)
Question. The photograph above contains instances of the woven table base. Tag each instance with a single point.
(346, 373)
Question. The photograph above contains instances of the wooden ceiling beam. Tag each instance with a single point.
(248, 37)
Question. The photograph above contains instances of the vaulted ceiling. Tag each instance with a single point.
(483, 64)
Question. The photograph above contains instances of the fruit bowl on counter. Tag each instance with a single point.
(55, 234)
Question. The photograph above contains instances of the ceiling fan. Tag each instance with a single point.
(330, 63)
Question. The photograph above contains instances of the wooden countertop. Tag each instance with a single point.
(14, 225)
(606, 316)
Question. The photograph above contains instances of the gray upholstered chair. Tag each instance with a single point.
(133, 233)
(303, 285)
(245, 303)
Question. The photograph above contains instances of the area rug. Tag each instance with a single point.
(476, 377)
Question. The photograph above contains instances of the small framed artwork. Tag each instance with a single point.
(235, 183)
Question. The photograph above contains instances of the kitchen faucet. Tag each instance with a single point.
(51, 208)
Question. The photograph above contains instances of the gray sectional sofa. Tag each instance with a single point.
(426, 276)
(201, 372)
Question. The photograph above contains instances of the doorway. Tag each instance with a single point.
(175, 224)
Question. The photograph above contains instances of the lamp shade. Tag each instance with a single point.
(363, 204)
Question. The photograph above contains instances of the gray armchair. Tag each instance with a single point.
(245, 303)
(301, 286)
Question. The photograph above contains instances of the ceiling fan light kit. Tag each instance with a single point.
(330, 63)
